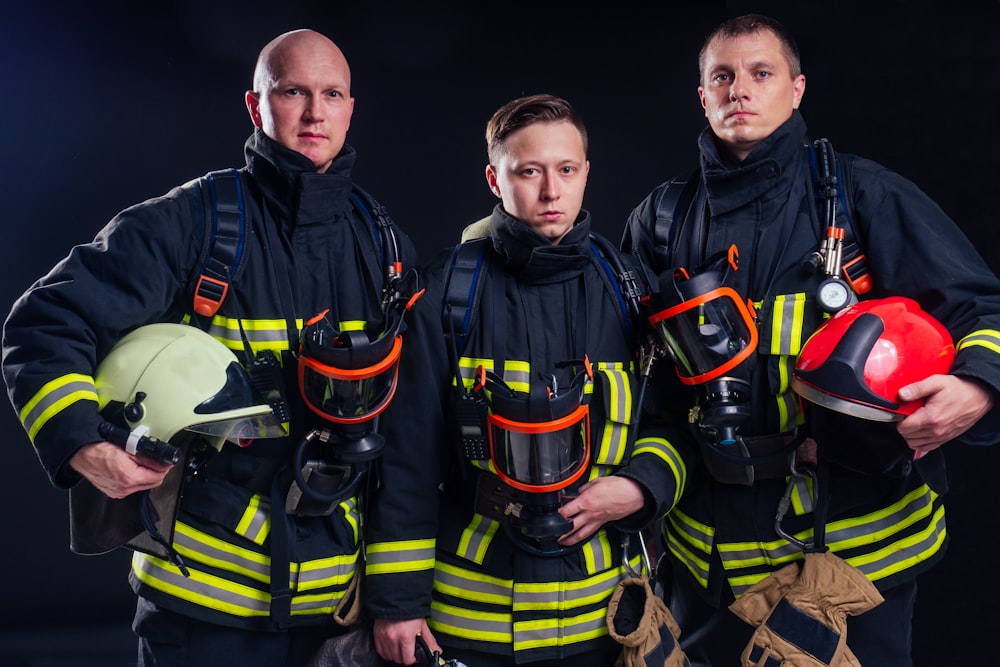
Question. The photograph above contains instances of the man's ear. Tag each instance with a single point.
(491, 179)
(253, 106)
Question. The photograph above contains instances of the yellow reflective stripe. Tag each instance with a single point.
(352, 325)
(565, 595)
(53, 398)
(787, 400)
(517, 375)
(560, 631)
(473, 586)
(262, 334)
(478, 625)
(802, 500)
(614, 438)
(691, 543)
(467, 369)
(352, 515)
(202, 589)
(200, 546)
(325, 573)
(476, 538)
(663, 450)
(255, 524)
(786, 324)
(402, 556)
(597, 552)
(988, 338)
(213, 592)
(904, 553)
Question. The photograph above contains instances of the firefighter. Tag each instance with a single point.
(267, 538)
(501, 535)
(767, 238)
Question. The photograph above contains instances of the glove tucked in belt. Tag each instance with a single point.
(640, 621)
(801, 613)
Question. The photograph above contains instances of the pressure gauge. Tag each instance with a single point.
(834, 295)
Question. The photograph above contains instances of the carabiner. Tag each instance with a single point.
(798, 475)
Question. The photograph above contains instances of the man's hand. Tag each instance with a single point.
(600, 501)
(115, 472)
(396, 641)
(952, 406)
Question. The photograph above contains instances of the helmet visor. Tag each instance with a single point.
(542, 456)
(349, 396)
(708, 335)
(243, 426)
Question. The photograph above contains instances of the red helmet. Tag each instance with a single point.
(859, 359)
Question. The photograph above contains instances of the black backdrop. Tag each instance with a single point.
(109, 104)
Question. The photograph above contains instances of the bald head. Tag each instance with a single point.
(276, 56)
(301, 95)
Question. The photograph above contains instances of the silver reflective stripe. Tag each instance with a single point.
(988, 338)
(262, 334)
(403, 556)
(614, 438)
(689, 543)
(53, 398)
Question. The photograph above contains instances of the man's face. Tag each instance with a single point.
(747, 89)
(307, 105)
(541, 177)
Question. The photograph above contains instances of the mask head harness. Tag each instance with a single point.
(539, 443)
(348, 378)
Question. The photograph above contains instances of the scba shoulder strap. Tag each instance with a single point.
(225, 233)
(674, 205)
(463, 286)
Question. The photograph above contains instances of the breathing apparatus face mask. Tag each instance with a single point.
(539, 443)
(345, 376)
(709, 331)
(348, 377)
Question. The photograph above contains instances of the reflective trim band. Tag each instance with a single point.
(255, 524)
(467, 368)
(493, 627)
(565, 595)
(352, 325)
(487, 617)
(472, 586)
(909, 532)
(988, 338)
(213, 592)
(352, 515)
(54, 397)
(262, 334)
(517, 375)
(663, 450)
(690, 542)
(560, 631)
(614, 438)
(787, 400)
(787, 318)
(802, 498)
(597, 552)
(402, 556)
(477, 537)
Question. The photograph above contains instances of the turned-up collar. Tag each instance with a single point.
(764, 168)
(531, 257)
(290, 182)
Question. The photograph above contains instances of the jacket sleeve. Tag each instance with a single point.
(402, 517)
(914, 249)
(133, 273)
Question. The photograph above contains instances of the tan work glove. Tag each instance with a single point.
(801, 614)
(642, 624)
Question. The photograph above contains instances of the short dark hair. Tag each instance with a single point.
(750, 24)
(525, 111)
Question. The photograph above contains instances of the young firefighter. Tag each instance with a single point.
(504, 546)
(772, 478)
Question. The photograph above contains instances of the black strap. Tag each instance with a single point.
(224, 234)
(462, 290)
(672, 207)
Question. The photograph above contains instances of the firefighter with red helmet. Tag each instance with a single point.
(825, 508)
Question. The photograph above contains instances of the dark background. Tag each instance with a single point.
(104, 105)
